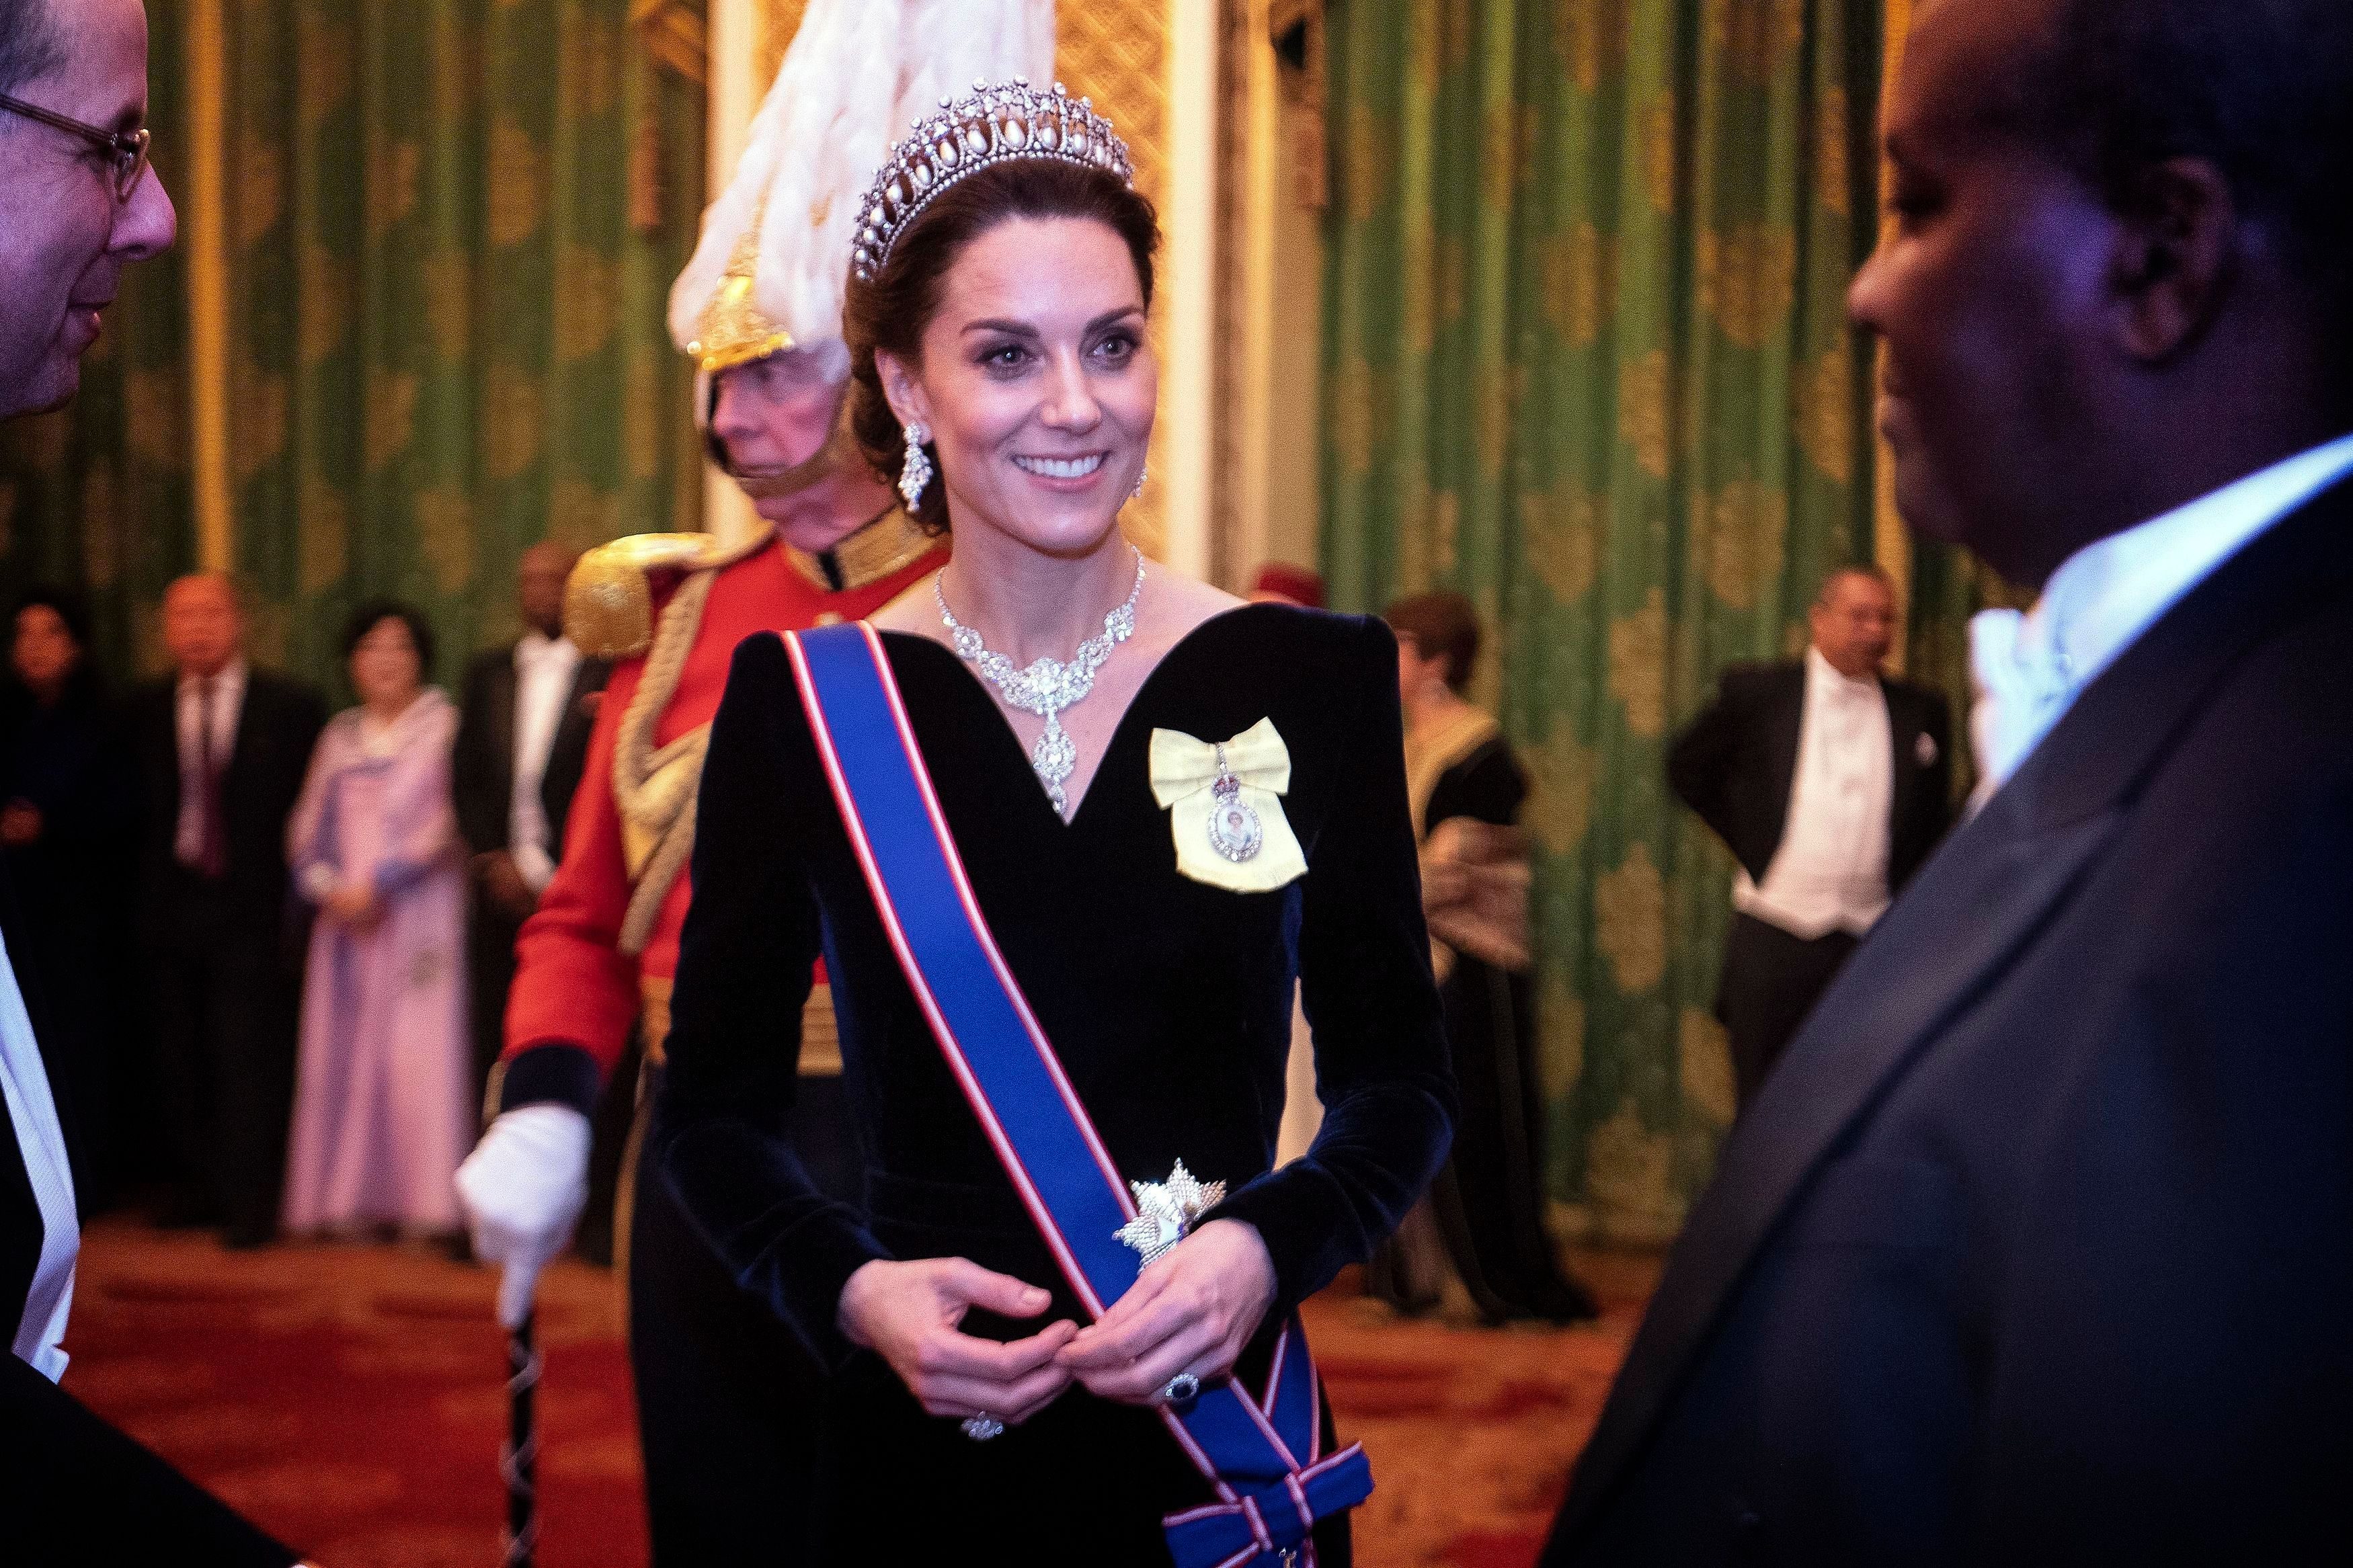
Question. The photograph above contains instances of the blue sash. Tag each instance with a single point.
(1261, 1456)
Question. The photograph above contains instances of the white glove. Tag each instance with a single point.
(522, 1189)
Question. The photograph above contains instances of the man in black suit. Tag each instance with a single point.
(1830, 782)
(2033, 1249)
(222, 749)
(81, 206)
(513, 789)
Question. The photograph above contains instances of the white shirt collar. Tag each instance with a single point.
(230, 679)
(2105, 595)
(2029, 669)
(1824, 676)
(535, 645)
(36, 1330)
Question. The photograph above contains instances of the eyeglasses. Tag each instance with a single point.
(126, 151)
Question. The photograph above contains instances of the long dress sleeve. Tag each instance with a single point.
(420, 822)
(746, 962)
(1372, 1009)
(310, 829)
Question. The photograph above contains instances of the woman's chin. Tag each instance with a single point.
(1067, 528)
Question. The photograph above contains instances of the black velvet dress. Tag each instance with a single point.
(1168, 999)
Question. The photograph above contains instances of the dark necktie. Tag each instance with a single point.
(212, 856)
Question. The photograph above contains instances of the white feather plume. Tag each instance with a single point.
(858, 77)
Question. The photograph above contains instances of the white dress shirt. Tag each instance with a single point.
(1831, 871)
(38, 1338)
(545, 670)
(2029, 668)
(228, 708)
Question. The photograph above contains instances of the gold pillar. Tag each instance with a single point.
(1117, 53)
(205, 214)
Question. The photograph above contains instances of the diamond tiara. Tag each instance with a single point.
(994, 124)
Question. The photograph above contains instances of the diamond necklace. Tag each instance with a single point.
(1048, 686)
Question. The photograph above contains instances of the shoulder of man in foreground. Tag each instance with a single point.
(1750, 677)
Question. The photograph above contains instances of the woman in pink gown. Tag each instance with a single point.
(381, 1117)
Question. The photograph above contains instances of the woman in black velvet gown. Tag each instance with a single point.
(1483, 1223)
(1005, 326)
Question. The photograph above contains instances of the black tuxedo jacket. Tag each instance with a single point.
(483, 761)
(72, 1488)
(1737, 762)
(2035, 1248)
(276, 731)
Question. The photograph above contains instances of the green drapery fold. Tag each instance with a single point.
(1588, 361)
(449, 290)
(451, 229)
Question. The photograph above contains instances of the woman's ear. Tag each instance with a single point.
(901, 389)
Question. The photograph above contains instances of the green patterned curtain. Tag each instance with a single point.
(455, 224)
(96, 497)
(451, 228)
(1588, 361)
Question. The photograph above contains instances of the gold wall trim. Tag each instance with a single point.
(1891, 545)
(1117, 53)
(204, 216)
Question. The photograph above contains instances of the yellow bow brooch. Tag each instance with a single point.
(1222, 807)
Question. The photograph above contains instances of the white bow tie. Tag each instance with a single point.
(2023, 680)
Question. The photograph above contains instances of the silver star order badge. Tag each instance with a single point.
(1165, 1210)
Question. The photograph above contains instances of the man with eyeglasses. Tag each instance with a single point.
(77, 205)
(79, 200)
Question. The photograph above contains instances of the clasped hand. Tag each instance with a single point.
(1191, 1311)
(356, 906)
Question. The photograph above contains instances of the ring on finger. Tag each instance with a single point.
(980, 1426)
(1180, 1393)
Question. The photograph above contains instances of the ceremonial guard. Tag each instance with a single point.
(728, 1411)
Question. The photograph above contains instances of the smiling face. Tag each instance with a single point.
(1853, 623)
(386, 669)
(1991, 294)
(1036, 382)
(66, 238)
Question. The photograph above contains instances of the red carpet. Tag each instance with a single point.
(351, 1399)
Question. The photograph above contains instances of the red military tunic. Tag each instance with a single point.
(575, 984)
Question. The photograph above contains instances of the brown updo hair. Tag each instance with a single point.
(1440, 626)
(892, 311)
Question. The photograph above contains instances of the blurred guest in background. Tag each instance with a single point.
(65, 799)
(1279, 582)
(1830, 782)
(510, 803)
(383, 1112)
(1484, 1216)
(220, 748)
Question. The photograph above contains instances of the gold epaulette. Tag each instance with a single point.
(608, 604)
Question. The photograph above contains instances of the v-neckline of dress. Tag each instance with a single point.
(1118, 731)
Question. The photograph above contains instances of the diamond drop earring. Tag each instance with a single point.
(1142, 474)
(916, 473)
